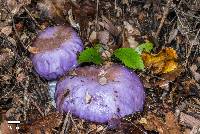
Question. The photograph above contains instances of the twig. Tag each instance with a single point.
(74, 124)
(36, 23)
(38, 108)
(191, 46)
(166, 11)
(65, 123)
(97, 15)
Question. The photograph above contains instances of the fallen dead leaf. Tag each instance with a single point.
(163, 62)
(6, 55)
(187, 84)
(170, 126)
(189, 120)
(101, 36)
(129, 35)
(6, 128)
(196, 75)
(6, 30)
(108, 25)
(33, 50)
(168, 77)
(46, 123)
(51, 8)
(15, 5)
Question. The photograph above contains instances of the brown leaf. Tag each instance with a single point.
(101, 36)
(169, 77)
(6, 128)
(170, 126)
(6, 56)
(54, 9)
(109, 26)
(33, 50)
(154, 123)
(6, 30)
(196, 75)
(188, 120)
(129, 35)
(85, 8)
(15, 5)
(46, 123)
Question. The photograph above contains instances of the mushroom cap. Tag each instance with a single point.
(100, 93)
(57, 49)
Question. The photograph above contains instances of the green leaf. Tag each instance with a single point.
(130, 58)
(90, 55)
(147, 47)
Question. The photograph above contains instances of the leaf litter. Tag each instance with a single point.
(114, 24)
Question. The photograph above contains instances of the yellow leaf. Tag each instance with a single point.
(163, 62)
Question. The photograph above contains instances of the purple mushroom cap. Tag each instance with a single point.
(57, 49)
(100, 94)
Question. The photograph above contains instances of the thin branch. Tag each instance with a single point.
(166, 11)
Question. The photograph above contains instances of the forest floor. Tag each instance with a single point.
(172, 104)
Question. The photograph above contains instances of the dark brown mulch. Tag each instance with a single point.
(24, 95)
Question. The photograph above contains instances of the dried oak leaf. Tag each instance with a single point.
(168, 77)
(53, 8)
(163, 62)
(170, 126)
(6, 58)
(15, 5)
(45, 124)
(195, 74)
(130, 32)
(6, 128)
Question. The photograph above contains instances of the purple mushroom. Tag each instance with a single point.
(57, 49)
(100, 94)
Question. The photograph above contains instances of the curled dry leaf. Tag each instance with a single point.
(170, 126)
(6, 57)
(33, 50)
(84, 8)
(51, 8)
(168, 77)
(108, 25)
(46, 123)
(15, 5)
(6, 128)
(189, 120)
(163, 62)
(102, 37)
(196, 75)
(129, 35)
(6, 30)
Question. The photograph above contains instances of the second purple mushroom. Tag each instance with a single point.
(57, 51)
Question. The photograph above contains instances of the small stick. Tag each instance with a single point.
(65, 123)
(166, 11)
(97, 15)
(36, 23)
(191, 46)
(74, 124)
(38, 108)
